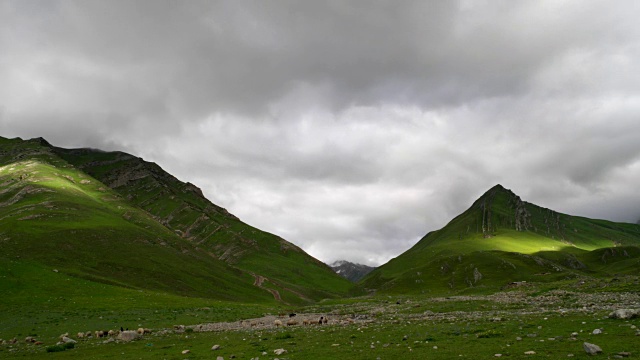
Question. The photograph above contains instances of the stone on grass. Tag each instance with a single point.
(530, 352)
(184, 352)
(279, 351)
(128, 335)
(215, 347)
(68, 340)
(597, 332)
(591, 349)
(625, 314)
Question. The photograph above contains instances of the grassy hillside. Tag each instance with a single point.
(181, 207)
(55, 215)
(130, 224)
(501, 239)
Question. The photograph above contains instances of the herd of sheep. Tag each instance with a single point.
(109, 333)
(293, 321)
(128, 335)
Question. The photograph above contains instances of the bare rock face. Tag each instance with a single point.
(591, 349)
(522, 216)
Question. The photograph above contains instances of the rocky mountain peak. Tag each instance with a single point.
(350, 271)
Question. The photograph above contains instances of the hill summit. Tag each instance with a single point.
(502, 239)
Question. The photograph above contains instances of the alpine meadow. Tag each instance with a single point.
(105, 255)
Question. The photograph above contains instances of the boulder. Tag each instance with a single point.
(625, 314)
(279, 351)
(128, 335)
(591, 349)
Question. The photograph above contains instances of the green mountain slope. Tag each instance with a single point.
(502, 239)
(55, 215)
(126, 222)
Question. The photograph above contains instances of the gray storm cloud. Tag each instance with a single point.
(349, 128)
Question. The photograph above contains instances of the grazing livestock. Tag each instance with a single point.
(277, 323)
(292, 322)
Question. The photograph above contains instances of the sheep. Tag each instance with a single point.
(140, 331)
(64, 335)
(292, 315)
(87, 334)
(253, 323)
(80, 335)
(305, 322)
(292, 322)
(148, 331)
(99, 333)
(277, 323)
(320, 320)
(29, 339)
(325, 320)
(111, 332)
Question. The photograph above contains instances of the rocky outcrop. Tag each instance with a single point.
(522, 216)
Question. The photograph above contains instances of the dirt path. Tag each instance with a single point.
(259, 279)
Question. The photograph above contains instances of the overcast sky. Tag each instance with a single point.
(350, 128)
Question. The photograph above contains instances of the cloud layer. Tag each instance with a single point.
(349, 128)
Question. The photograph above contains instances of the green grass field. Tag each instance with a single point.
(538, 319)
